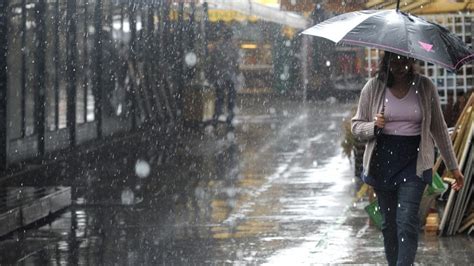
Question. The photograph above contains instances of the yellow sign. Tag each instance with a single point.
(218, 15)
(248, 46)
(268, 2)
(229, 15)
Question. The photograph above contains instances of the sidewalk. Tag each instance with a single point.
(276, 191)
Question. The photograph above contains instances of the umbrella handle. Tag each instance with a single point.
(379, 131)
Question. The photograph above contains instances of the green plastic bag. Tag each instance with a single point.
(373, 210)
(437, 186)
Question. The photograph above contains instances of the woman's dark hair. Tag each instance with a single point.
(383, 65)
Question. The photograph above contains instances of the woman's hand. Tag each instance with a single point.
(379, 120)
(459, 183)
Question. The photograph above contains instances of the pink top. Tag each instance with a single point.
(402, 116)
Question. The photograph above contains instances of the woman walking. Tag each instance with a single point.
(400, 120)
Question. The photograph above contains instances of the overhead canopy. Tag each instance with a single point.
(420, 7)
(270, 13)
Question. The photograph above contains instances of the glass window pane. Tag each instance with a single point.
(30, 55)
(90, 101)
(82, 53)
(14, 56)
(51, 58)
(62, 108)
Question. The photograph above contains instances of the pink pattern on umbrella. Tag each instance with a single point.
(426, 46)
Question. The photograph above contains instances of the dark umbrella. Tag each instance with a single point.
(397, 32)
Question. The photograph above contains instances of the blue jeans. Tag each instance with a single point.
(400, 224)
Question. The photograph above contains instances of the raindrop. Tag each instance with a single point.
(209, 130)
(230, 136)
(128, 197)
(119, 109)
(328, 63)
(286, 73)
(190, 59)
(398, 205)
(231, 192)
(200, 193)
(142, 168)
(331, 100)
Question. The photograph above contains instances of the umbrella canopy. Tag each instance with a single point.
(398, 32)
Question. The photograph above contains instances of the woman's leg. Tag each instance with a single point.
(388, 207)
(408, 224)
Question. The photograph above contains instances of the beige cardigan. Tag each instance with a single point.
(433, 126)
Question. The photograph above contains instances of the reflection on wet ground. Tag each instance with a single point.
(275, 191)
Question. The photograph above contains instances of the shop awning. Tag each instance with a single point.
(270, 13)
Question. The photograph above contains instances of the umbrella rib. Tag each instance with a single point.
(338, 37)
(400, 50)
(464, 59)
(374, 45)
(406, 30)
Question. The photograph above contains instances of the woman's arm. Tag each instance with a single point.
(363, 126)
(439, 131)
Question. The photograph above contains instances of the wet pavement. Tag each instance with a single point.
(275, 191)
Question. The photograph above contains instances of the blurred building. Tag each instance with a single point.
(266, 35)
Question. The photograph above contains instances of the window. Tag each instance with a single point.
(56, 76)
(15, 72)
